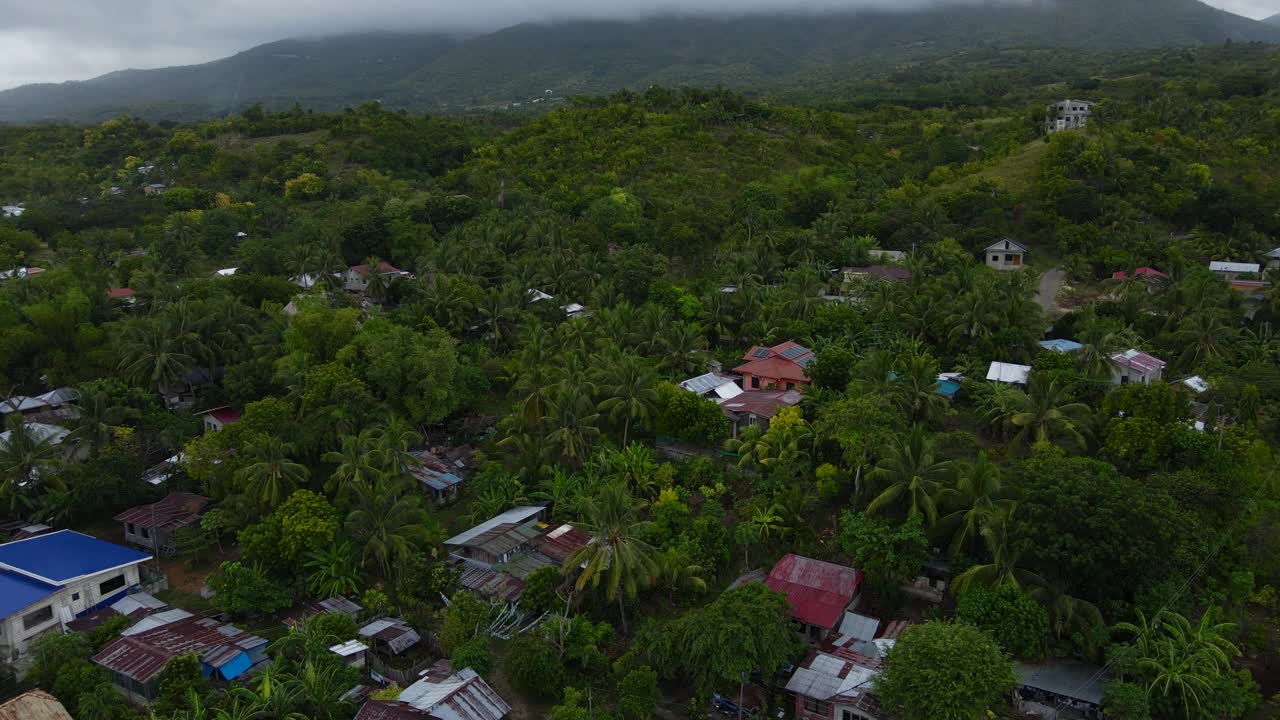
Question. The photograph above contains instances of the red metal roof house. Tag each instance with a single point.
(819, 592)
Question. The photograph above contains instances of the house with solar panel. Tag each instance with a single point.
(49, 580)
(781, 367)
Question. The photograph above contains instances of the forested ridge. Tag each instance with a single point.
(164, 270)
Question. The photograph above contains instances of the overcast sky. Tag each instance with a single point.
(56, 40)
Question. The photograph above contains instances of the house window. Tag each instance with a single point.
(146, 533)
(791, 386)
(75, 597)
(1008, 258)
(111, 585)
(36, 618)
(815, 706)
(995, 258)
(129, 528)
(755, 383)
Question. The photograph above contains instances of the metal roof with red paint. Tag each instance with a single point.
(1137, 360)
(558, 543)
(818, 591)
(120, 293)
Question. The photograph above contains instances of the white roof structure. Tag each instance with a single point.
(13, 210)
(536, 295)
(1008, 373)
(306, 281)
(1197, 384)
(348, 648)
(463, 695)
(156, 620)
(41, 431)
(225, 272)
(723, 386)
(1275, 254)
(828, 676)
(574, 310)
(130, 604)
(23, 403)
(1006, 244)
(1235, 267)
(858, 626)
(513, 516)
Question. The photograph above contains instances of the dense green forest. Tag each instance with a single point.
(1136, 527)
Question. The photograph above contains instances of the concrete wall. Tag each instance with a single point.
(73, 599)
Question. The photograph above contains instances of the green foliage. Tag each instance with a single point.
(109, 630)
(890, 554)
(638, 694)
(943, 671)
(52, 651)
(533, 666)
(180, 677)
(745, 629)
(684, 415)
(473, 653)
(1009, 615)
(245, 590)
(1125, 701)
(465, 617)
(414, 372)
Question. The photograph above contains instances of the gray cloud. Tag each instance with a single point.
(57, 40)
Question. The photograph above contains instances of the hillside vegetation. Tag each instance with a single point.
(544, 283)
(793, 56)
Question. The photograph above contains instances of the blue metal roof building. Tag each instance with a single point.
(1061, 346)
(60, 557)
(19, 591)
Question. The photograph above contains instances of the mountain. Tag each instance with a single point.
(1273, 20)
(435, 71)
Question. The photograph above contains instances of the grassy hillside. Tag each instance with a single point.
(773, 55)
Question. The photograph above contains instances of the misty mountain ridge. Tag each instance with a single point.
(1273, 20)
(442, 71)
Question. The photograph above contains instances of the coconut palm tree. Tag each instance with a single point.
(626, 384)
(331, 571)
(153, 355)
(918, 388)
(377, 282)
(911, 475)
(563, 490)
(1003, 567)
(23, 457)
(617, 558)
(573, 424)
(683, 347)
(1203, 337)
(97, 417)
(972, 315)
(390, 528)
(355, 461)
(676, 574)
(1042, 414)
(977, 499)
(271, 476)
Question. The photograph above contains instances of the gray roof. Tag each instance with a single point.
(1065, 678)
(859, 626)
(704, 384)
(515, 515)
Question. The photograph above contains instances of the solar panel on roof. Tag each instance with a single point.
(794, 352)
(760, 352)
(807, 361)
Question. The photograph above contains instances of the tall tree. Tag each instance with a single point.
(911, 476)
(616, 558)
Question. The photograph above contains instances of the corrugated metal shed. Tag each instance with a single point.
(513, 516)
(34, 705)
(175, 510)
(463, 695)
(1009, 373)
(143, 655)
(1137, 360)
